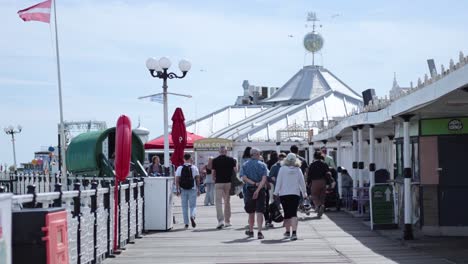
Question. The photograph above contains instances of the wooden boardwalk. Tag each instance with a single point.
(336, 238)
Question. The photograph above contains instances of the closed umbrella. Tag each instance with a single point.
(179, 137)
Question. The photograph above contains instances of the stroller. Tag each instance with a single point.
(305, 206)
(332, 197)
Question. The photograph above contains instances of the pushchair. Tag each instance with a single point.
(305, 206)
(332, 196)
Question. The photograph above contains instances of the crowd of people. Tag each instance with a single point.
(284, 181)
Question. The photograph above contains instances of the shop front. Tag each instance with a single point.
(444, 177)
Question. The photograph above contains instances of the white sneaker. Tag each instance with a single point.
(220, 225)
(227, 225)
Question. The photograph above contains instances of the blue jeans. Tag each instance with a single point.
(209, 196)
(189, 200)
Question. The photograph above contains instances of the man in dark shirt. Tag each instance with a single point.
(294, 149)
(222, 170)
(316, 180)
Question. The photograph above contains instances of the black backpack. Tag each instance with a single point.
(186, 178)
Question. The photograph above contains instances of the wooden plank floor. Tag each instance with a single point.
(336, 238)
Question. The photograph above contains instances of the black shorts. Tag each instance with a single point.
(290, 204)
(250, 205)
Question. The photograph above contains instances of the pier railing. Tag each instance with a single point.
(90, 212)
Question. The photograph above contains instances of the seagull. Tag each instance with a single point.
(335, 15)
(291, 36)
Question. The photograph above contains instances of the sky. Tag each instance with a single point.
(104, 45)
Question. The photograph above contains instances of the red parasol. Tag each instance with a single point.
(158, 143)
(179, 137)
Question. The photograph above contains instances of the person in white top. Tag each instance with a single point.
(187, 180)
(290, 186)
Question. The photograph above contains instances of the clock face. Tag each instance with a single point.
(313, 42)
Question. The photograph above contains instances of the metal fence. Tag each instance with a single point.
(90, 211)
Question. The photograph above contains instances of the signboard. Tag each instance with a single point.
(382, 207)
(212, 144)
(444, 126)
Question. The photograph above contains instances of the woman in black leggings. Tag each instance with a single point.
(290, 186)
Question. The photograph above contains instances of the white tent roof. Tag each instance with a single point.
(309, 82)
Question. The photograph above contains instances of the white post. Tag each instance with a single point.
(311, 152)
(14, 149)
(360, 159)
(408, 230)
(338, 164)
(63, 143)
(371, 156)
(355, 162)
(166, 132)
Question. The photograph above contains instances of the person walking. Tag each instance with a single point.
(317, 180)
(187, 186)
(327, 158)
(209, 183)
(271, 181)
(290, 187)
(254, 174)
(222, 169)
(273, 159)
(294, 149)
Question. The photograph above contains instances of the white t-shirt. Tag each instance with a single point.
(195, 173)
(290, 180)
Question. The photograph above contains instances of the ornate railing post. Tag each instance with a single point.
(94, 205)
(106, 184)
(135, 196)
(31, 190)
(58, 201)
(77, 213)
(142, 193)
(127, 201)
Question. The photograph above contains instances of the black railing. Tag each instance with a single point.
(90, 216)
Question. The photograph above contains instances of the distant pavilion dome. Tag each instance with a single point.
(142, 132)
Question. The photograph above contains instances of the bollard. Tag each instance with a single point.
(2, 189)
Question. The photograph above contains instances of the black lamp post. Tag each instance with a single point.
(159, 69)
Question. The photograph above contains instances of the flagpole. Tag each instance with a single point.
(62, 128)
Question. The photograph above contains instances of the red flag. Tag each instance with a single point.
(39, 12)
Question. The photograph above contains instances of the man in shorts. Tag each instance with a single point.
(254, 174)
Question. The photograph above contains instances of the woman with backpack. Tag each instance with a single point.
(290, 186)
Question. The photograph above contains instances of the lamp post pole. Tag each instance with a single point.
(159, 69)
(11, 131)
(166, 129)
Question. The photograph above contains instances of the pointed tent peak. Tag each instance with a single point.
(310, 82)
(178, 115)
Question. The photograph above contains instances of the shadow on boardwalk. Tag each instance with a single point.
(336, 238)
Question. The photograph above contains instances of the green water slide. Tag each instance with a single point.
(85, 153)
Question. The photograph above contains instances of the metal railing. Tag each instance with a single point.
(90, 213)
